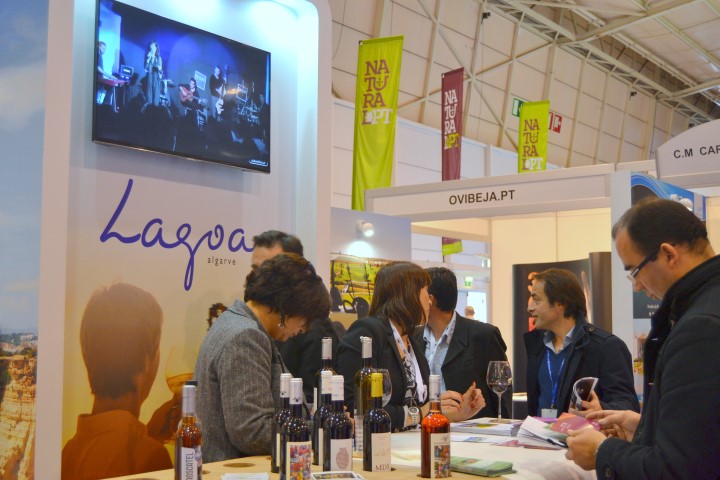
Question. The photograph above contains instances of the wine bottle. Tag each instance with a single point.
(337, 431)
(326, 365)
(295, 445)
(435, 437)
(279, 420)
(188, 441)
(362, 391)
(320, 415)
(376, 430)
(194, 383)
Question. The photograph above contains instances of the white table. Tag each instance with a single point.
(530, 464)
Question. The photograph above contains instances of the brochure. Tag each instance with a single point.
(581, 391)
(555, 432)
(487, 426)
(484, 468)
(335, 475)
(535, 428)
(245, 476)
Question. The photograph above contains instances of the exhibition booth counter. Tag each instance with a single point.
(529, 463)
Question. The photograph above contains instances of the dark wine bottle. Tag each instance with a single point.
(295, 445)
(188, 441)
(320, 415)
(362, 391)
(326, 365)
(337, 431)
(435, 437)
(376, 430)
(279, 420)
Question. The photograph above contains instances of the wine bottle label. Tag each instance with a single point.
(190, 467)
(277, 450)
(380, 452)
(321, 447)
(315, 400)
(341, 454)
(299, 459)
(439, 455)
(358, 433)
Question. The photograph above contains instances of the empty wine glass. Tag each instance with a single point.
(387, 385)
(499, 378)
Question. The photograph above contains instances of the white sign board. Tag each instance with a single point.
(692, 159)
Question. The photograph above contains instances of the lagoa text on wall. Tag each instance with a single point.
(152, 234)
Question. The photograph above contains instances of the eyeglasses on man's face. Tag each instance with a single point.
(650, 258)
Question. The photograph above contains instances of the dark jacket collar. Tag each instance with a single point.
(681, 293)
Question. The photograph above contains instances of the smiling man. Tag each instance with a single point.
(666, 251)
(564, 347)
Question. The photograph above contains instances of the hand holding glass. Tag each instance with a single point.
(499, 378)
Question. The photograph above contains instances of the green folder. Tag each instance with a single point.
(484, 468)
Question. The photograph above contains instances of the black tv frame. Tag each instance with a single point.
(127, 114)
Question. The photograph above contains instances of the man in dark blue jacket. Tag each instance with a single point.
(666, 251)
(564, 347)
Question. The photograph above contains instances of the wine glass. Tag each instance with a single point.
(499, 378)
(387, 385)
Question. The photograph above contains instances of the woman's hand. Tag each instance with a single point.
(617, 423)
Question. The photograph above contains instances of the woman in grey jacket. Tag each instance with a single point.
(238, 367)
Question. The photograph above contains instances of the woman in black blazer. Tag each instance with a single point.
(400, 303)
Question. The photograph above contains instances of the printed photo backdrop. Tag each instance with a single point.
(153, 244)
(22, 114)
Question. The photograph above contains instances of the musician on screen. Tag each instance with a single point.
(218, 82)
(101, 89)
(190, 96)
(154, 69)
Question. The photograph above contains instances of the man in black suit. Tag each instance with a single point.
(459, 349)
(665, 250)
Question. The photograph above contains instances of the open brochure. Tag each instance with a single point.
(554, 432)
(487, 426)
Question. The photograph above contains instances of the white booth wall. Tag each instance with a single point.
(82, 181)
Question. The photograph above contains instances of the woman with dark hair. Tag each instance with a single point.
(400, 303)
(154, 69)
(238, 367)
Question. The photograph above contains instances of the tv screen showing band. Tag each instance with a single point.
(164, 86)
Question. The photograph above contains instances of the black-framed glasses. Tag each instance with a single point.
(652, 257)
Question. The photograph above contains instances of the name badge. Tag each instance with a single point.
(548, 413)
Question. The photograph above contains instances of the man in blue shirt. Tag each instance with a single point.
(564, 347)
(459, 349)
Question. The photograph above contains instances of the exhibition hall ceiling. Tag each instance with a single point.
(667, 50)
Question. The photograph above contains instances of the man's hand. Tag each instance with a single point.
(459, 407)
(583, 445)
(617, 423)
(589, 406)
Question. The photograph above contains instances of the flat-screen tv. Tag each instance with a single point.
(167, 87)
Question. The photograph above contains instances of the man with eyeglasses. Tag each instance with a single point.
(666, 250)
